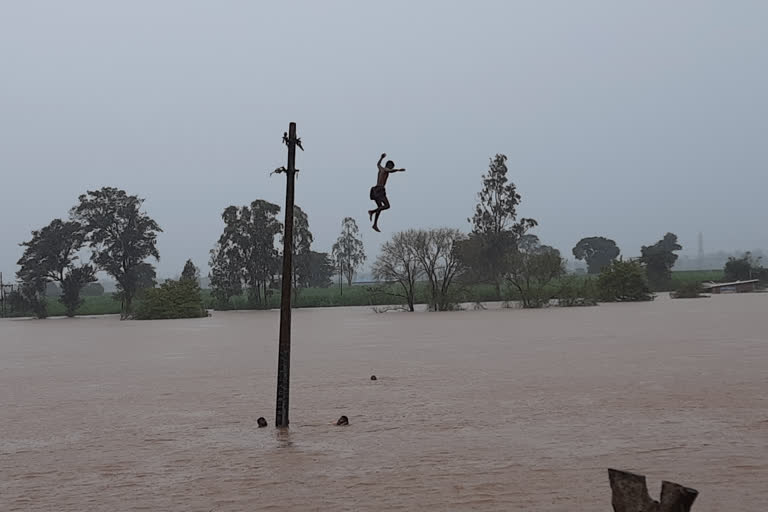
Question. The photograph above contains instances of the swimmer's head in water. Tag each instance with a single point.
(261, 422)
(343, 421)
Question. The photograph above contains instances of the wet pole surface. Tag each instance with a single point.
(284, 350)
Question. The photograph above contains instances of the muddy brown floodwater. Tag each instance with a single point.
(488, 410)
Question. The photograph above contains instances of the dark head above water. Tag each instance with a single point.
(343, 421)
(373, 377)
(262, 422)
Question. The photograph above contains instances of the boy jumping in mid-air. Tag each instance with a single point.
(379, 192)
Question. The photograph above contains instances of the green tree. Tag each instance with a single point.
(745, 268)
(436, 252)
(17, 304)
(479, 268)
(262, 259)
(659, 259)
(225, 277)
(397, 264)
(348, 250)
(496, 229)
(190, 272)
(624, 281)
(245, 255)
(29, 297)
(321, 270)
(532, 268)
(302, 244)
(50, 257)
(597, 251)
(143, 276)
(73, 284)
(120, 235)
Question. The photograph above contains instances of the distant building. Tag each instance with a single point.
(734, 287)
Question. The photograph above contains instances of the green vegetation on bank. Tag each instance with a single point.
(499, 259)
(368, 295)
(682, 277)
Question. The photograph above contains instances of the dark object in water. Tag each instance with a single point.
(262, 422)
(373, 377)
(630, 494)
(343, 421)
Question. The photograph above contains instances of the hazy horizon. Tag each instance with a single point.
(624, 121)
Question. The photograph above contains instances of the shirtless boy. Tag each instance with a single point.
(379, 192)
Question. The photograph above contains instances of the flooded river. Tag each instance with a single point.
(476, 410)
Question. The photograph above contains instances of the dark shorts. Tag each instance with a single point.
(378, 193)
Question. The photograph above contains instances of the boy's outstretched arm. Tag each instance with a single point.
(383, 156)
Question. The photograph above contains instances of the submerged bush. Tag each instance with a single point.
(624, 281)
(172, 299)
(688, 291)
(28, 299)
(576, 292)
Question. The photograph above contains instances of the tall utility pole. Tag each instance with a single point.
(284, 353)
(2, 297)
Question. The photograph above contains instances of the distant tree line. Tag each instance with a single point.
(746, 267)
(246, 259)
(120, 237)
(500, 250)
(713, 260)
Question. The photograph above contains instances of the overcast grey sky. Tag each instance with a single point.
(622, 119)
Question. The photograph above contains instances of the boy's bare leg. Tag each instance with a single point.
(375, 210)
(381, 208)
(379, 205)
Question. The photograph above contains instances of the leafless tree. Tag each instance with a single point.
(532, 267)
(397, 264)
(436, 253)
